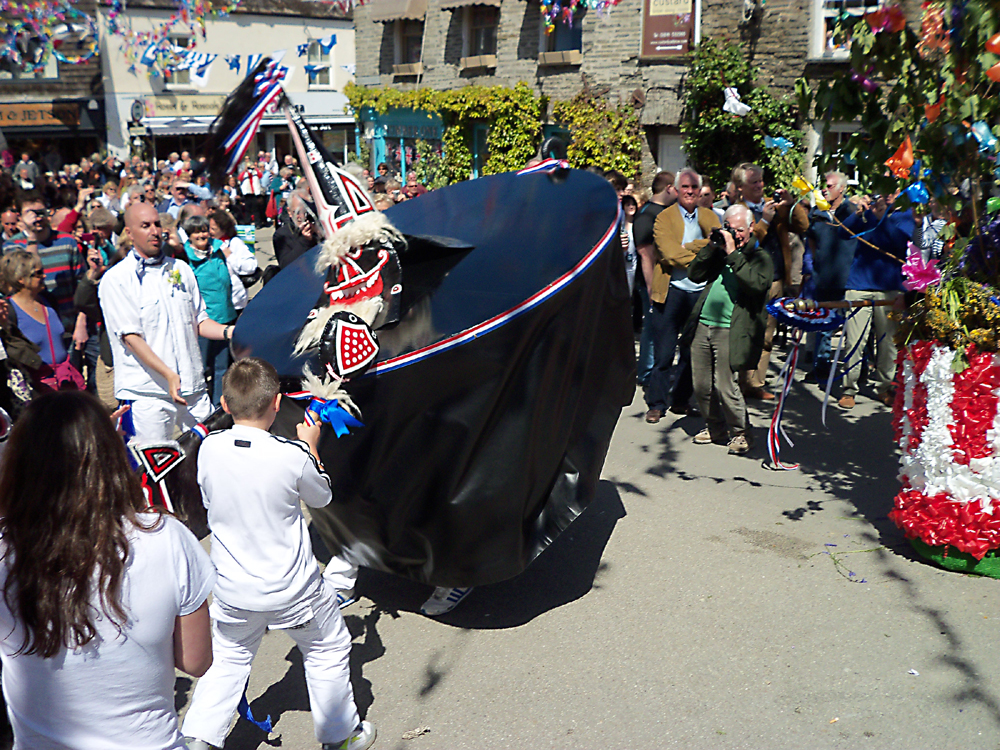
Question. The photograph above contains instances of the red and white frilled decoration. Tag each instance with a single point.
(948, 427)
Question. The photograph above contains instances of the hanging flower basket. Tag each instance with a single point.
(947, 425)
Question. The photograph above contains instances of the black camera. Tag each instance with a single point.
(718, 240)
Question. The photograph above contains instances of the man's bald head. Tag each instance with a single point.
(142, 225)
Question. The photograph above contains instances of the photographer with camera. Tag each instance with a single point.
(726, 329)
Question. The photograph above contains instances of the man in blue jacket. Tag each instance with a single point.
(876, 274)
(831, 255)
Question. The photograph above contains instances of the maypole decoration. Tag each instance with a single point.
(933, 118)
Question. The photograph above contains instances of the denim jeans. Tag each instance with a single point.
(215, 360)
(645, 367)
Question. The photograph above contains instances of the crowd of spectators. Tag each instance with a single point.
(71, 221)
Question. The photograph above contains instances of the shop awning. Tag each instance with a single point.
(398, 10)
(453, 4)
(177, 125)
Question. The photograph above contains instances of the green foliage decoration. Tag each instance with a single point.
(928, 81)
(715, 141)
(603, 135)
(910, 76)
(513, 114)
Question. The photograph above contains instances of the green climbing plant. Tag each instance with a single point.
(430, 167)
(604, 135)
(512, 114)
(715, 141)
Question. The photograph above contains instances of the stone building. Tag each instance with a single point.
(637, 51)
(164, 113)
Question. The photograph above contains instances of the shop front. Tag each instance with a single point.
(393, 136)
(54, 132)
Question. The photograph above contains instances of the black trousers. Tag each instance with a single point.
(670, 383)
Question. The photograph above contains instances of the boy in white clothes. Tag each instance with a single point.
(268, 578)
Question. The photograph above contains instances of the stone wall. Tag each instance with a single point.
(778, 42)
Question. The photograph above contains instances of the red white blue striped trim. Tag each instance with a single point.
(200, 430)
(549, 165)
(493, 323)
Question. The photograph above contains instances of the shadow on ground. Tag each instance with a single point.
(567, 570)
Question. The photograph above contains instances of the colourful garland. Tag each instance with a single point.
(948, 427)
(37, 25)
(554, 10)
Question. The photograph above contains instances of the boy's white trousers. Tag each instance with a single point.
(318, 629)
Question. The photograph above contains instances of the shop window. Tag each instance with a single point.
(564, 46)
(825, 15)
(409, 42)
(480, 149)
(320, 75)
(178, 78)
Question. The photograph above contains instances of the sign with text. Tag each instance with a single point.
(183, 106)
(667, 27)
(39, 114)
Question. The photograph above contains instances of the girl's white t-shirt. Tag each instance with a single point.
(117, 692)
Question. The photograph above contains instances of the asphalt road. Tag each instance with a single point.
(702, 601)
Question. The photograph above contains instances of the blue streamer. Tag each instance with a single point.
(244, 711)
(334, 415)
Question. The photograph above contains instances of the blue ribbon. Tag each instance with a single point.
(334, 415)
(244, 711)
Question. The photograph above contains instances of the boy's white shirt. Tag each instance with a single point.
(251, 484)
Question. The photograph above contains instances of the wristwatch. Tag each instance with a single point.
(227, 333)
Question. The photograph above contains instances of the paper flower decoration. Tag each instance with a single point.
(933, 111)
(917, 193)
(733, 104)
(993, 44)
(889, 19)
(932, 33)
(919, 273)
(783, 143)
(900, 162)
(983, 134)
(806, 188)
(864, 81)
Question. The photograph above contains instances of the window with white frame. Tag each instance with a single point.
(825, 16)
(173, 77)
(479, 35)
(564, 37)
(409, 41)
(319, 65)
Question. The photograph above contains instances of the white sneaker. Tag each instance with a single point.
(444, 600)
(192, 744)
(345, 598)
(362, 739)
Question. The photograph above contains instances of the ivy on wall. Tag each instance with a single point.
(513, 114)
(604, 135)
(715, 141)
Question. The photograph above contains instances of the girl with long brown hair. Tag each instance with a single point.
(101, 600)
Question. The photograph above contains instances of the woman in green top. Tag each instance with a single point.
(214, 282)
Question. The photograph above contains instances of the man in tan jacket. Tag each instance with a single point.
(679, 233)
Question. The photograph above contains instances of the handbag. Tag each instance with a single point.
(61, 376)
